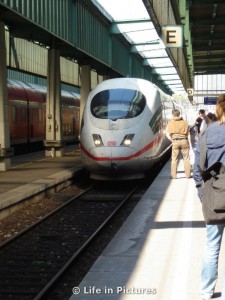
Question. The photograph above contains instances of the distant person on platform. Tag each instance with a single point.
(209, 118)
(198, 122)
(178, 133)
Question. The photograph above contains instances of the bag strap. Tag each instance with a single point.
(202, 151)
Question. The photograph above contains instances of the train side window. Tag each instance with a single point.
(23, 114)
(31, 115)
(155, 122)
(14, 114)
(40, 115)
(167, 108)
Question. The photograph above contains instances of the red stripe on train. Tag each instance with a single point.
(136, 154)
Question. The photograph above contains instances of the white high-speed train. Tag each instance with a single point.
(123, 128)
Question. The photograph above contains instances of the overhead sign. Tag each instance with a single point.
(172, 36)
(210, 100)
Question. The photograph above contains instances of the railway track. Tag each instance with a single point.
(34, 260)
(44, 260)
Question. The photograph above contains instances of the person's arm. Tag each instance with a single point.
(203, 125)
(189, 139)
(196, 170)
(168, 135)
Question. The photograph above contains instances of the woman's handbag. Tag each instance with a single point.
(213, 196)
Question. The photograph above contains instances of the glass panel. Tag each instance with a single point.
(158, 62)
(156, 120)
(166, 71)
(39, 115)
(169, 77)
(23, 114)
(14, 114)
(132, 20)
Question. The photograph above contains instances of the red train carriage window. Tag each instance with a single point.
(40, 115)
(118, 104)
(14, 114)
(31, 116)
(23, 114)
(67, 129)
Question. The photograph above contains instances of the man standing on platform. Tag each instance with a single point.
(178, 133)
(199, 122)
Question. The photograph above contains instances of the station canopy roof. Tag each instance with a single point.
(131, 19)
(207, 20)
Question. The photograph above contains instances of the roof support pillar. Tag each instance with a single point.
(5, 150)
(85, 87)
(53, 142)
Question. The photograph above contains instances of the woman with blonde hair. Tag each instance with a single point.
(215, 144)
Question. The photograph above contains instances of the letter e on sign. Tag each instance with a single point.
(172, 36)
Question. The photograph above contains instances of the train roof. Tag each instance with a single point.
(19, 87)
(143, 85)
(126, 82)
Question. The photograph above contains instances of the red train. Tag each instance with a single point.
(27, 115)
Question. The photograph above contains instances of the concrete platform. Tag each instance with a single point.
(157, 253)
(34, 173)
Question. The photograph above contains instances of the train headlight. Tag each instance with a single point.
(97, 140)
(127, 140)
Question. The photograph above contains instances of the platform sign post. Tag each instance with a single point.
(172, 36)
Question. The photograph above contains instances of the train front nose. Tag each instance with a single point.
(111, 155)
(111, 160)
(114, 166)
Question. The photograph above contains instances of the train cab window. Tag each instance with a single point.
(118, 104)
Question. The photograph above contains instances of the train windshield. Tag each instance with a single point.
(118, 104)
